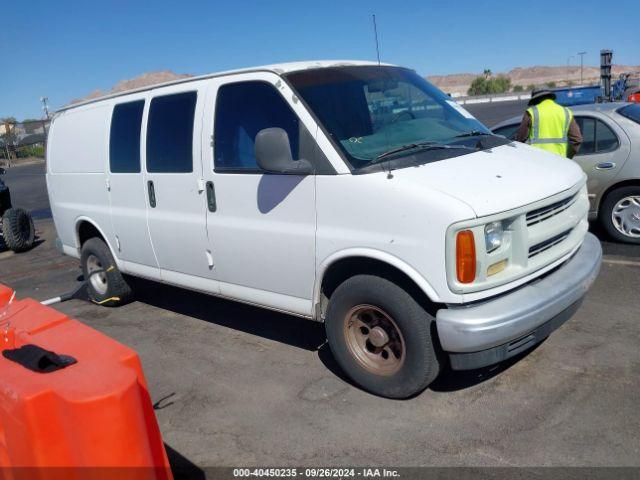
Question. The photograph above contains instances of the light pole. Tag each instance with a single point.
(582, 54)
(44, 101)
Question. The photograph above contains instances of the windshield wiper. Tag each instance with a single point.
(418, 146)
(472, 133)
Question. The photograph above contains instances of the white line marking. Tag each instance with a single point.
(479, 100)
(505, 99)
(621, 262)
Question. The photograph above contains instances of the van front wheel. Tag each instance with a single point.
(381, 337)
(105, 282)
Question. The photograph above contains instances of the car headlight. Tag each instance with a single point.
(493, 236)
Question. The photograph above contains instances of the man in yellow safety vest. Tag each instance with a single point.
(549, 126)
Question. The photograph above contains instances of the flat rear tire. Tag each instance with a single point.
(106, 285)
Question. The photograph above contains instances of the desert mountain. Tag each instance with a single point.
(151, 78)
(459, 82)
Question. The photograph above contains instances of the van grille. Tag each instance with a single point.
(544, 213)
(548, 243)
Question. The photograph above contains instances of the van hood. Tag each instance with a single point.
(496, 180)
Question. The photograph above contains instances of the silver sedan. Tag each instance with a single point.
(610, 156)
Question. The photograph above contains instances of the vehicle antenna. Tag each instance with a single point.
(375, 34)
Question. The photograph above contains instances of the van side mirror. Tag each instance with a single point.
(273, 153)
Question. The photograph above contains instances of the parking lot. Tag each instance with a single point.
(235, 385)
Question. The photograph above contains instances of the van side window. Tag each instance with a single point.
(242, 110)
(170, 133)
(124, 138)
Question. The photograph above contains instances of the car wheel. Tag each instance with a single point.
(106, 284)
(620, 214)
(18, 230)
(381, 337)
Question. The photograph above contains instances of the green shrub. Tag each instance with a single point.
(31, 151)
(485, 86)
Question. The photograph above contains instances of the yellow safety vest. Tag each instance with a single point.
(550, 127)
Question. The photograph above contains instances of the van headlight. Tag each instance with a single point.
(493, 236)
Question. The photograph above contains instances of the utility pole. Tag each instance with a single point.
(568, 59)
(582, 54)
(8, 140)
(44, 101)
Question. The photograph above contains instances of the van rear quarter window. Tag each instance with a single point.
(78, 144)
(124, 138)
(170, 133)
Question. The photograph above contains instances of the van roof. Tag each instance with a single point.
(277, 68)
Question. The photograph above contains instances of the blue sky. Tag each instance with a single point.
(65, 50)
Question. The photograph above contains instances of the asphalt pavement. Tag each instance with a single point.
(236, 385)
(493, 113)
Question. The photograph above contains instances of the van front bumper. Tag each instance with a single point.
(491, 331)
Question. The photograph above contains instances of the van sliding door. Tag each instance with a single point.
(175, 188)
(126, 189)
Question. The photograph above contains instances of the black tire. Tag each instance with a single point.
(106, 285)
(606, 211)
(18, 230)
(420, 365)
(5, 198)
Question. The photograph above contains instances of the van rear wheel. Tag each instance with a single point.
(381, 337)
(106, 284)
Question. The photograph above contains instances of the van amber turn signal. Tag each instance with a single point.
(465, 256)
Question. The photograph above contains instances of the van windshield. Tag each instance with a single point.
(375, 112)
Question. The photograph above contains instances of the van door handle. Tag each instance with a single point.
(152, 194)
(211, 197)
(605, 166)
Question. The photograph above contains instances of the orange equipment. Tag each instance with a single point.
(93, 414)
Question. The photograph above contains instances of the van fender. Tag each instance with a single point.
(373, 254)
(83, 218)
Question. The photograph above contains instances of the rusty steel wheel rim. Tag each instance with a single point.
(374, 340)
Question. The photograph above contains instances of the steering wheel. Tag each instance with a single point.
(398, 116)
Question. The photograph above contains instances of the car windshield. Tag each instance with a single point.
(632, 112)
(375, 112)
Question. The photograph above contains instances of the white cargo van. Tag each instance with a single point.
(345, 192)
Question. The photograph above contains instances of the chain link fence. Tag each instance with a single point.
(20, 141)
